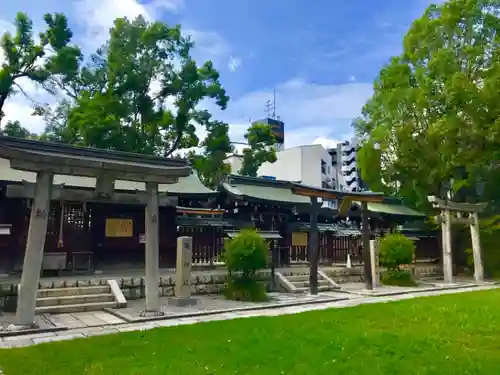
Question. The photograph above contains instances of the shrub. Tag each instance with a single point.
(246, 253)
(397, 277)
(395, 250)
(245, 289)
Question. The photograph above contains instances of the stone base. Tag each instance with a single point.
(182, 301)
(20, 327)
(151, 314)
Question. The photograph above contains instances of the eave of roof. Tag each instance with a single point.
(90, 152)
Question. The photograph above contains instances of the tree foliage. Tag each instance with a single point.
(51, 59)
(142, 90)
(396, 250)
(246, 253)
(15, 129)
(435, 109)
(260, 149)
(210, 163)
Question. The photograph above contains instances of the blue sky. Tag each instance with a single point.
(320, 56)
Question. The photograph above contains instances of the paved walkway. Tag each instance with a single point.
(353, 300)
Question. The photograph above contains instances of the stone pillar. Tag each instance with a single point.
(476, 248)
(447, 257)
(183, 273)
(33, 257)
(374, 257)
(152, 251)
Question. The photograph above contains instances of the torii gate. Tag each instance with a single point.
(459, 213)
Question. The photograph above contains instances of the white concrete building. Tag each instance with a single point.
(312, 165)
(235, 161)
(348, 172)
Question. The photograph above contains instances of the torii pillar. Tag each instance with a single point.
(459, 213)
(48, 159)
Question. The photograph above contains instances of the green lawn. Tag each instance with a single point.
(452, 334)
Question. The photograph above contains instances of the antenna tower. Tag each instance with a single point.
(271, 106)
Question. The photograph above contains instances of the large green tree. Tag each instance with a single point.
(210, 163)
(141, 92)
(259, 150)
(51, 58)
(435, 109)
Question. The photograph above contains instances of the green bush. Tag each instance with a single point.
(246, 253)
(245, 289)
(397, 277)
(395, 250)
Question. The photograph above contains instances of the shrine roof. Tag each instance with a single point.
(35, 156)
(259, 189)
(393, 209)
(91, 153)
(188, 182)
(190, 185)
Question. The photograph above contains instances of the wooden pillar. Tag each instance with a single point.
(447, 257)
(313, 247)
(152, 249)
(366, 246)
(476, 248)
(33, 257)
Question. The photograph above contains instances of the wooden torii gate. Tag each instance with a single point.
(459, 213)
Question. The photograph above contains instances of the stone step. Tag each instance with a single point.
(74, 299)
(321, 288)
(293, 278)
(82, 290)
(305, 283)
(65, 309)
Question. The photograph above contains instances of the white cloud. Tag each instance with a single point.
(97, 16)
(326, 142)
(312, 113)
(21, 111)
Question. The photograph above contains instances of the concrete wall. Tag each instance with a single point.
(235, 161)
(288, 166)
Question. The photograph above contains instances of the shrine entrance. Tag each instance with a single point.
(459, 213)
(49, 159)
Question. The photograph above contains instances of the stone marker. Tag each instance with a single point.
(183, 274)
(374, 256)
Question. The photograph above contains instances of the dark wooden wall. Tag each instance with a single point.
(79, 231)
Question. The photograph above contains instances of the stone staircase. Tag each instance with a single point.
(300, 283)
(79, 299)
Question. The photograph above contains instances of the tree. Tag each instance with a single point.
(15, 129)
(435, 109)
(141, 91)
(52, 58)
(210, 164)
(260, 149)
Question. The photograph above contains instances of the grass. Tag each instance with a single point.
(451, 334)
